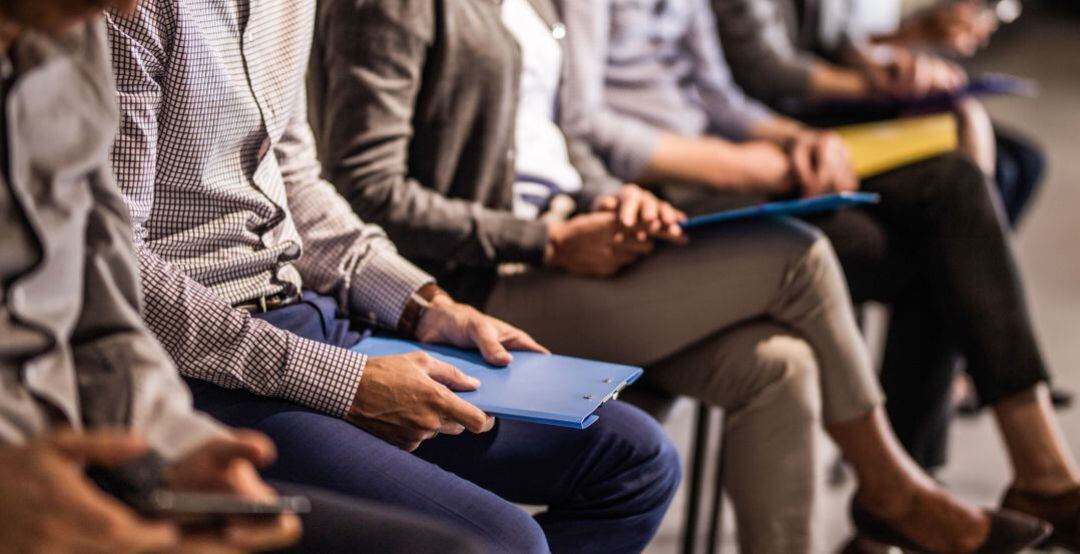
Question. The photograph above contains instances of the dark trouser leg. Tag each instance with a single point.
(938, 225)
(1019, 170)
(338, 524)
(327, 453)
(951, 214)
(607, 487)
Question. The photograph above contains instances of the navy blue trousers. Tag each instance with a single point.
(605, 488)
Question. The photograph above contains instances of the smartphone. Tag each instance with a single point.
(198, 507)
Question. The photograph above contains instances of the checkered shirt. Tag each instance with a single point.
(217, 164)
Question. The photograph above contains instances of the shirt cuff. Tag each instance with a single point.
(322, 376)
(383, 285)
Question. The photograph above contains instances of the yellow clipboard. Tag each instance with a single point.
(884, 145)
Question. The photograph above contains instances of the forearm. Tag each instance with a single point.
(718, 164)
(833, 82)
(212, 341)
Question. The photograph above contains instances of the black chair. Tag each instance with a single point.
(660, 404)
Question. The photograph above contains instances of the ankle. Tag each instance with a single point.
(886, 503)
(1045, 485)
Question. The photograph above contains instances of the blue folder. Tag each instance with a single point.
(987, 84)
(538, 388)
(804, 206)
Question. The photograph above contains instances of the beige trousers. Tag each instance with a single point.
(753, 317)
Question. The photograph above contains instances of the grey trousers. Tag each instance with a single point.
(753, 317)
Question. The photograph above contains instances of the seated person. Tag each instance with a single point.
(439, 120)
(253, 267)
(794, 53)
(82, 381)
(758, 43)
(659, 104)
(952, 27)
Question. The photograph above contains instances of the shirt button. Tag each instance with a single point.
(558, 32)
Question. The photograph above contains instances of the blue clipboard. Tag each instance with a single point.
(538, 388)
(987, 84)
(803, 206)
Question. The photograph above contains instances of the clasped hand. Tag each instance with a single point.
(621, 230)
(821, 164)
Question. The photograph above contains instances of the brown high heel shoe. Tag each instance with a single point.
(1061, 510)
(1010, 532)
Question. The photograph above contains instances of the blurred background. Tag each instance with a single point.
(1044, 45)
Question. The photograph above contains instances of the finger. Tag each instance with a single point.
(650, 212)
(249, 446)
(823, 168)
(254, 535)
(804, 168)
(636, 247)
(451, 428)
(607, 204)
(629, 206)
(516, 339)
(107, 448)
(671, 215)
(473, 418)
(486, 337)
(205, 543)
(450, 376)
(104, 522)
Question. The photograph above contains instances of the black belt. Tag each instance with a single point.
(264, 304)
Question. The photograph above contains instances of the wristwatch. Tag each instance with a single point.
(415, 307)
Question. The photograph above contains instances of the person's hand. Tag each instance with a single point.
(961, 28)
(644, 215)
(822, 164)
(594, 245)
(409, 398)
(461, 325)
(913, 75)
(228, 465)
(50, 506)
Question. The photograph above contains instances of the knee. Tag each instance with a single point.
(638, 444)
(791, 378)
(518, 532)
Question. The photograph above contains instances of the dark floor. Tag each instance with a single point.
(1046, 47)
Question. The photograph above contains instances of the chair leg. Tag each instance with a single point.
(697, 471)
(716, 518)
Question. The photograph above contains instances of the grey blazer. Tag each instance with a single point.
(413, 103)
(772, 45)
(74, 351)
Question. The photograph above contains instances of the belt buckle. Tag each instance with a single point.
(262, 304)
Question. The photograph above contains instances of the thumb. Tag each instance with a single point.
(107, 448)
(486, 337)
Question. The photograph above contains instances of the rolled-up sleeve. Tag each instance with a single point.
(625, 142)
(343, 257)
(731, 113)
